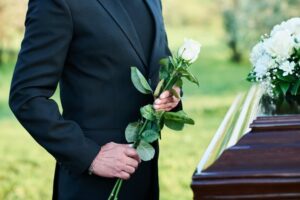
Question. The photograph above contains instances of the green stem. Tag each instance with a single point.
(169, 82)
(136, 143)
(118, 189)
(112, 194)
(115, 192)
(173, 75)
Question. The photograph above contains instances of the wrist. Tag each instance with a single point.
(91, 168)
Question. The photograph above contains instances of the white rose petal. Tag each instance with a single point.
(190, 50)
(280, 45)
(292, 25)
(297, 41)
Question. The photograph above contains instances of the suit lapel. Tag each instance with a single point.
(120, 16)
(154, 54)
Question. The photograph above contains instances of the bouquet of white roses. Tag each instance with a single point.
(148, 129)
(276, 60)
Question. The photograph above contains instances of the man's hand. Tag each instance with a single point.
(167, 101)
(116, 161)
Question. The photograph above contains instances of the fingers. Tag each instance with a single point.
(166, 105)
(171, 99)
(123, 175)
(128, 167)
(165, 94)
(116, 160)
(131, 152)
(132, 163)
(177, 89)
(167, 101)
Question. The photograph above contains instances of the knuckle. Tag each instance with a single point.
(110, 144)
(124, 159)
(135, 164)
(132, 151)
(126, 176)
(132, 170)
(119, 166)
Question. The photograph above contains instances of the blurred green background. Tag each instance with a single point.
(227, 30)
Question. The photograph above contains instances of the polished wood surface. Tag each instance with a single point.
(264, 164)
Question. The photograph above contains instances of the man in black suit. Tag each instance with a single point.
(88, 47)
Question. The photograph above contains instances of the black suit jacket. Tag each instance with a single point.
(87, 47)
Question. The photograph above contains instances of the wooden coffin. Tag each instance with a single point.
(259, 161)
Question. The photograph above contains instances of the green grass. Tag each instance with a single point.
(26, 170)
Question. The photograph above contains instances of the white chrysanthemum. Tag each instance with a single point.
(262, 65)
(280, 45)
(287, 67)
(257, 51)
(190, 50)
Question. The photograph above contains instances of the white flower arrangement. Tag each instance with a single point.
(276, 60)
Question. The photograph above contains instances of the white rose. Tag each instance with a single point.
(292, 25)
(190, 50)
(262, 65)
(297, 41)
(280, 45)
(287, 67)
(277, 28)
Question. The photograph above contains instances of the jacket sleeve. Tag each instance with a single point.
(49, 30)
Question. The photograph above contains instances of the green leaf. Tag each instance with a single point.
(288, 78)
(131, 132)
(192, 78)
(148, 112)
(295, 88)
(174, 92)
(139, 81)
(277, 91)
(164, 62)
(158, 88)
(164, 68)
(179, 116)
(179, 83)
(251, 77)
(284, 86)
(145, 151)
(173, 61)
(188, 75)
(150, 135)
(177, 126)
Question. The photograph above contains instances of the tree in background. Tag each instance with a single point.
(11, 27)
(231, 27)
(245, 20)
